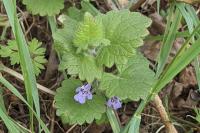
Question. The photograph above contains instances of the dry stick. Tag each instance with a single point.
(135, 6)
(20, 77)
(71, 128)
(163, 114)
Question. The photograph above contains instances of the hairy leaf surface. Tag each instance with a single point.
(134, 81)
(73, 112)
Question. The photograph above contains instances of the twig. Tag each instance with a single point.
(135, 6)
(188, 123)
(20, 77)
(164, 116)
(71, 128)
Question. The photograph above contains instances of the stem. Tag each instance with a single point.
(20, 77)
(164, 116)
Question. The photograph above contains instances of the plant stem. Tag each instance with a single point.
(20, 77)
(164, 116)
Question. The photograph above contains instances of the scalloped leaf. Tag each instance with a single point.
(73, 112)
(125, 31)
(89, 33)
(64, 37)
(44, 7)
(134, 81)
(84, 66)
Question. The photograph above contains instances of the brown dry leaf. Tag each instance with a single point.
(189, 1)
(192, 100)
(177, 90)
(180, 103)
(187, 77)
(52, 66)
(175, 93)
(123, 3)
(175, 48)
(96, 128)
(151, 49)
(158, 24)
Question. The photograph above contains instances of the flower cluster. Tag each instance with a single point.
(84, 93)
(114, 103)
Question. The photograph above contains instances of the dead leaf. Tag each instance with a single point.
(187, 77)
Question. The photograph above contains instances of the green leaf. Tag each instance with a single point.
(44, 7)
(75, 13)
(64, 37)
(78, 14)
(134, 81)
(35, 49)
(197, 111)
(69, 62)
(84, 66)
(89, 33)
(125, 31)
(37, 55)
(135, 124)
(10, 51)
(102, 120)
(73, 112)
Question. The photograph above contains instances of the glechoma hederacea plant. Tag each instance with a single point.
(102, 51)
(100, 59)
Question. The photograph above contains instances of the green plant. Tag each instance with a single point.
(100, 59)
(35, 49)
(25, 62)
(90, 45)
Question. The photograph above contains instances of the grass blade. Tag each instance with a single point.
(17, 94)
(169, 37)
(113, 120)
(25, 59)
(135, 124)
(10, 124)
(180, 61)
(192, 21)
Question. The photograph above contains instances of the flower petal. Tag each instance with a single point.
(78, 89)
(89, 95)
(80, 98)
(114, 103)
(87, 87)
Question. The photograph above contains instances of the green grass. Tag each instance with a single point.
(25, 61)
(165, 73)
(11, 88)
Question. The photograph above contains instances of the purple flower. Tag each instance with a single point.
(114, 103)
(83, 93)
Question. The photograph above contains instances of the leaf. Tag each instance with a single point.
(125, 31)
(64, 37)
(73, 112)
(75, 13)
(89, 33)
(44, 7)
(78, 14)
(35, 49)
(134, 82)
(10, 51)
(135, 124)
(84, 66)
(37, 55)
